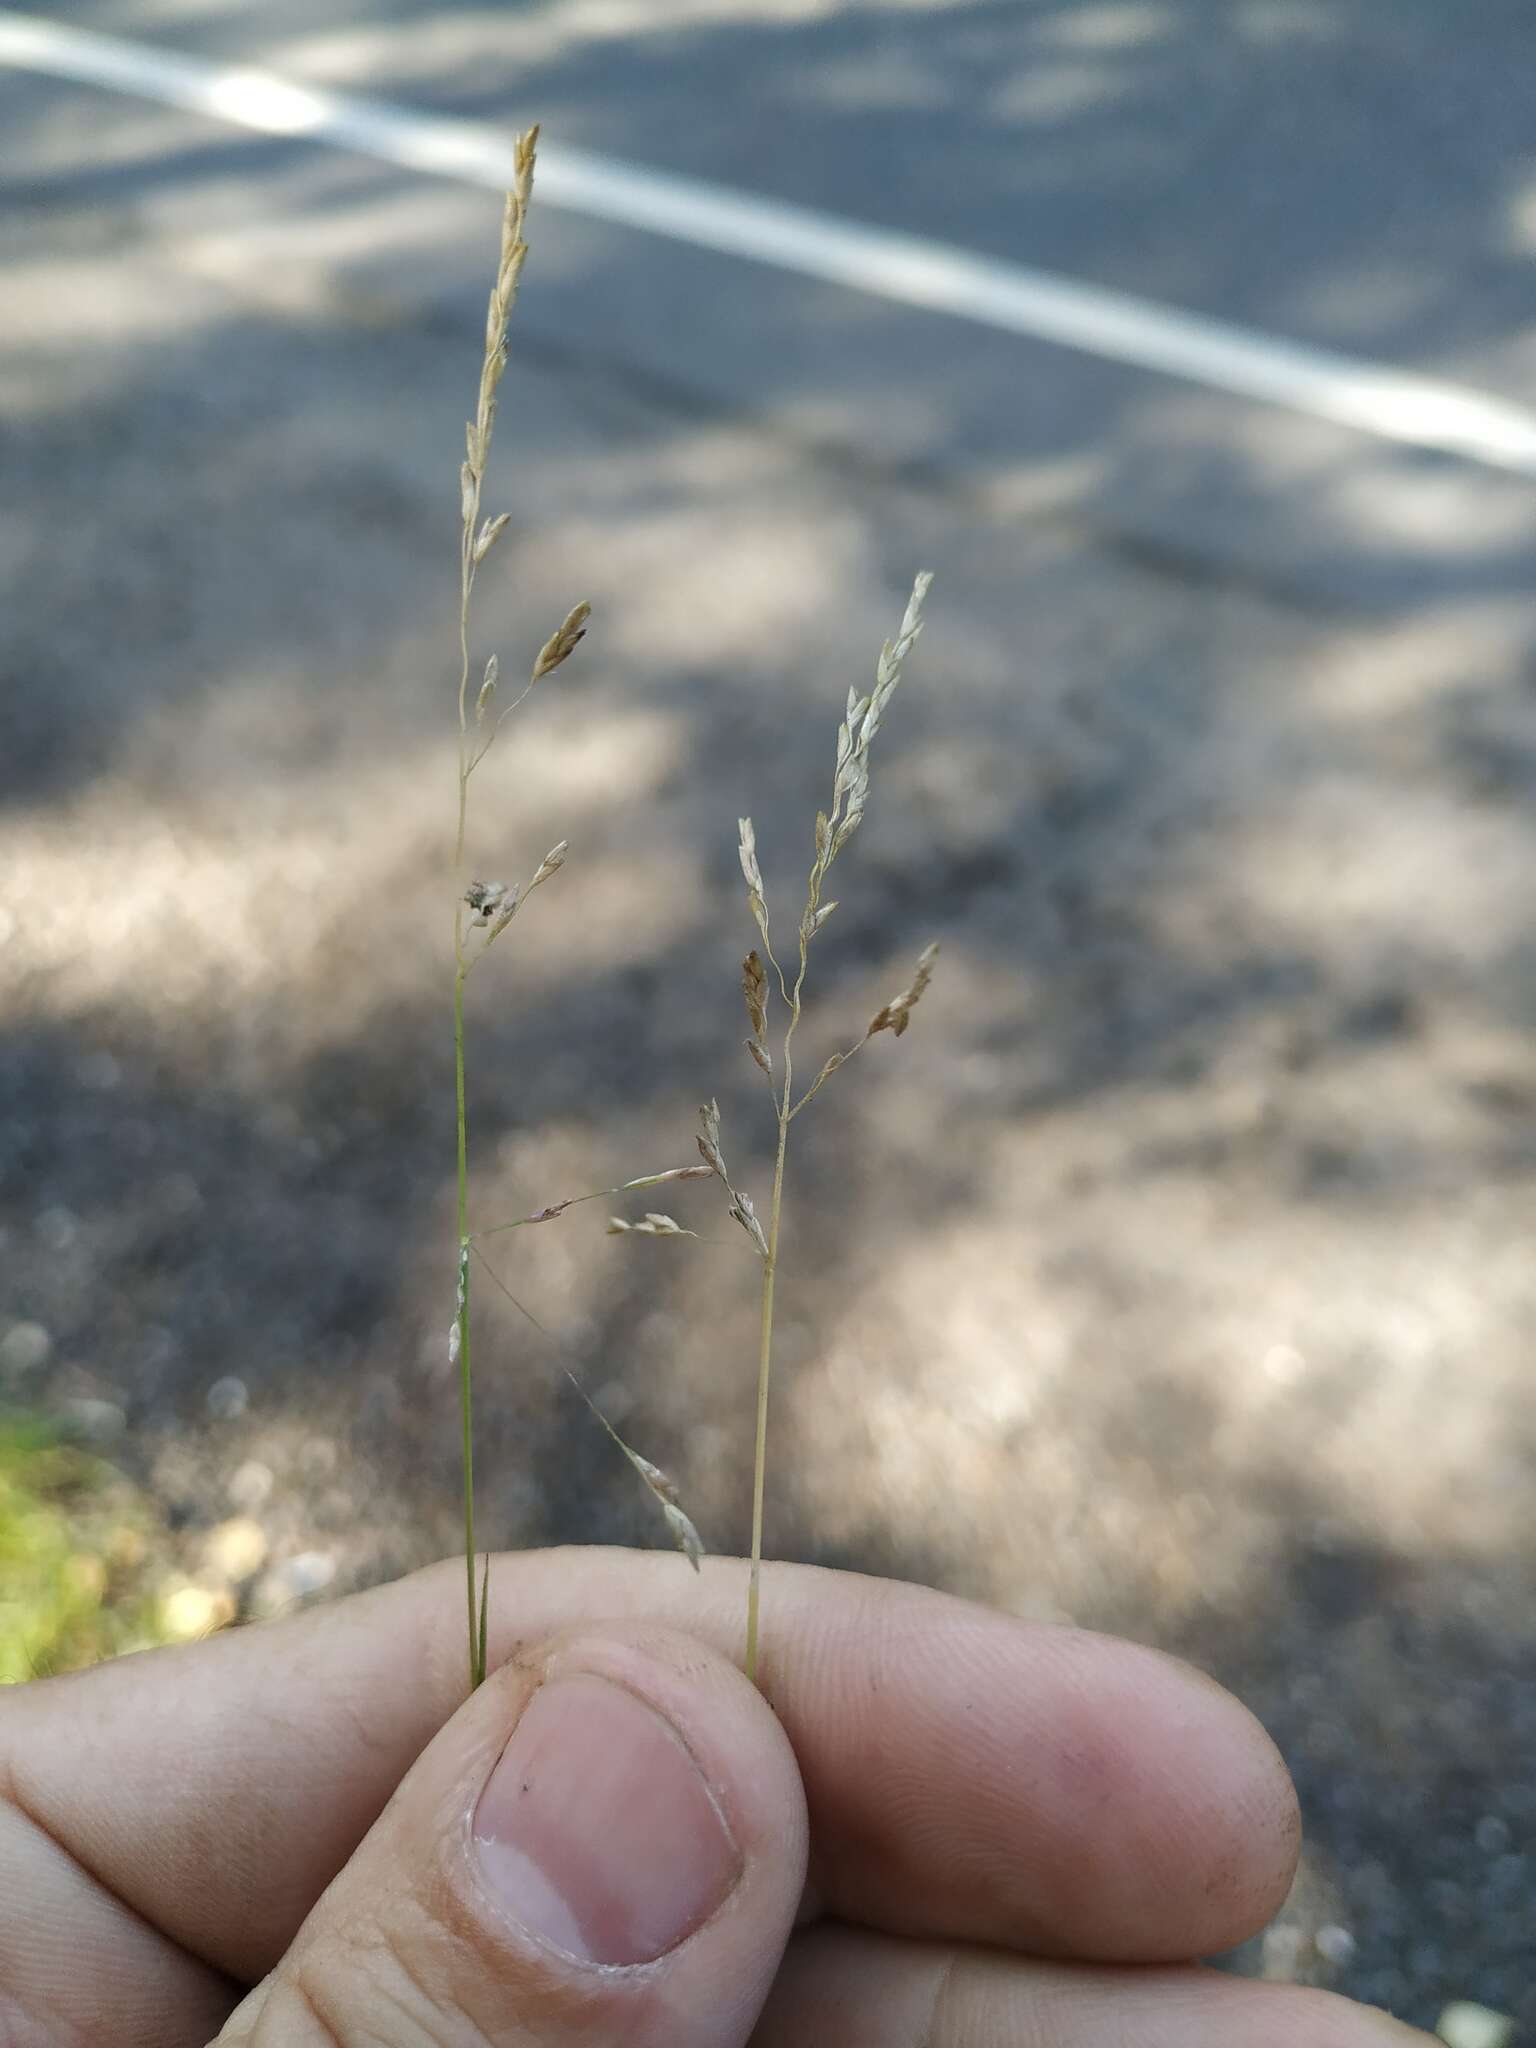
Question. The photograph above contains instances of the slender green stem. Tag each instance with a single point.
(476, 1669)
(764, 1375)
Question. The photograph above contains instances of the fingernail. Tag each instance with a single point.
(596, 1829)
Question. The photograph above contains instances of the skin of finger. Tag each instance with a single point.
(968, 1775)
(410, 1944)
(78, 1965)
(845, 1988)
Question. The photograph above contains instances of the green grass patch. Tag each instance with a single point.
(76, 1543)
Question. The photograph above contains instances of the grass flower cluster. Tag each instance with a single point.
(774, 997)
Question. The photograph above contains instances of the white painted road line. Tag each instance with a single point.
(905, 269)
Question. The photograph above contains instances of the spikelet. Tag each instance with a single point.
(563, 642)
(897, 1013)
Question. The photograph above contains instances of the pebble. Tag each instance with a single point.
(1281, 1952)
(1464, 2025)
(228, 1399)
(1492, 1835)
(191, 1611)
(58, 1228)
(98, 1422)
(310, 1572)
(250, 1485)
(236, 1550)
(1335, 1944)
(24, 1348)
(99, 1070)
(318, 1458)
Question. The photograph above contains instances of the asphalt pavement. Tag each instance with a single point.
(1173, 1273)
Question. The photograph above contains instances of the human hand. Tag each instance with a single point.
(948, 1829)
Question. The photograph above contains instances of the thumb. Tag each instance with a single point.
(605, 1845)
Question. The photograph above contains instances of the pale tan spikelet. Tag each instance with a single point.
(754, 879)
(897, 1013)
(490, 532)
(746, 1216)
(654, 1180)
(511, 904)
(551, 864)
(815, 919)
(861, 722)
(684, 1534)
(563, 642)
(709, 1139)
(654, 1225)
(741, 1204)
(488, 687)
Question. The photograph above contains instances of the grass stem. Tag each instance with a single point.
(764, 1375)
(466, 1407)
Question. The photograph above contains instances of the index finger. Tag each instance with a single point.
(969, 1776)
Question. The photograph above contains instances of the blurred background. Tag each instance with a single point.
(1174, 1273)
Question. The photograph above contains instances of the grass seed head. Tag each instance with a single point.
(897, 1013)
(563, 642)
(552, 863)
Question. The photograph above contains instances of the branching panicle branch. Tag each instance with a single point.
(834, 828)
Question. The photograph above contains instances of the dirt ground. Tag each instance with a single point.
(1173, 1274)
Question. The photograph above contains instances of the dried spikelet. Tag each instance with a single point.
(714, 1159)
(754, 989)
(897, 1013)
(509, 909)
(551, 864)
(488, 687)
(754, 877)
(684, 1534)
(654, 1225)
(709, 1139)
(490, 532)
(654, 1180)
(850, 783)
(746, 1216)
(563, 642)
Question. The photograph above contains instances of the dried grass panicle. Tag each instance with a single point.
(834, 828)
(861, 722)
(483, 910)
